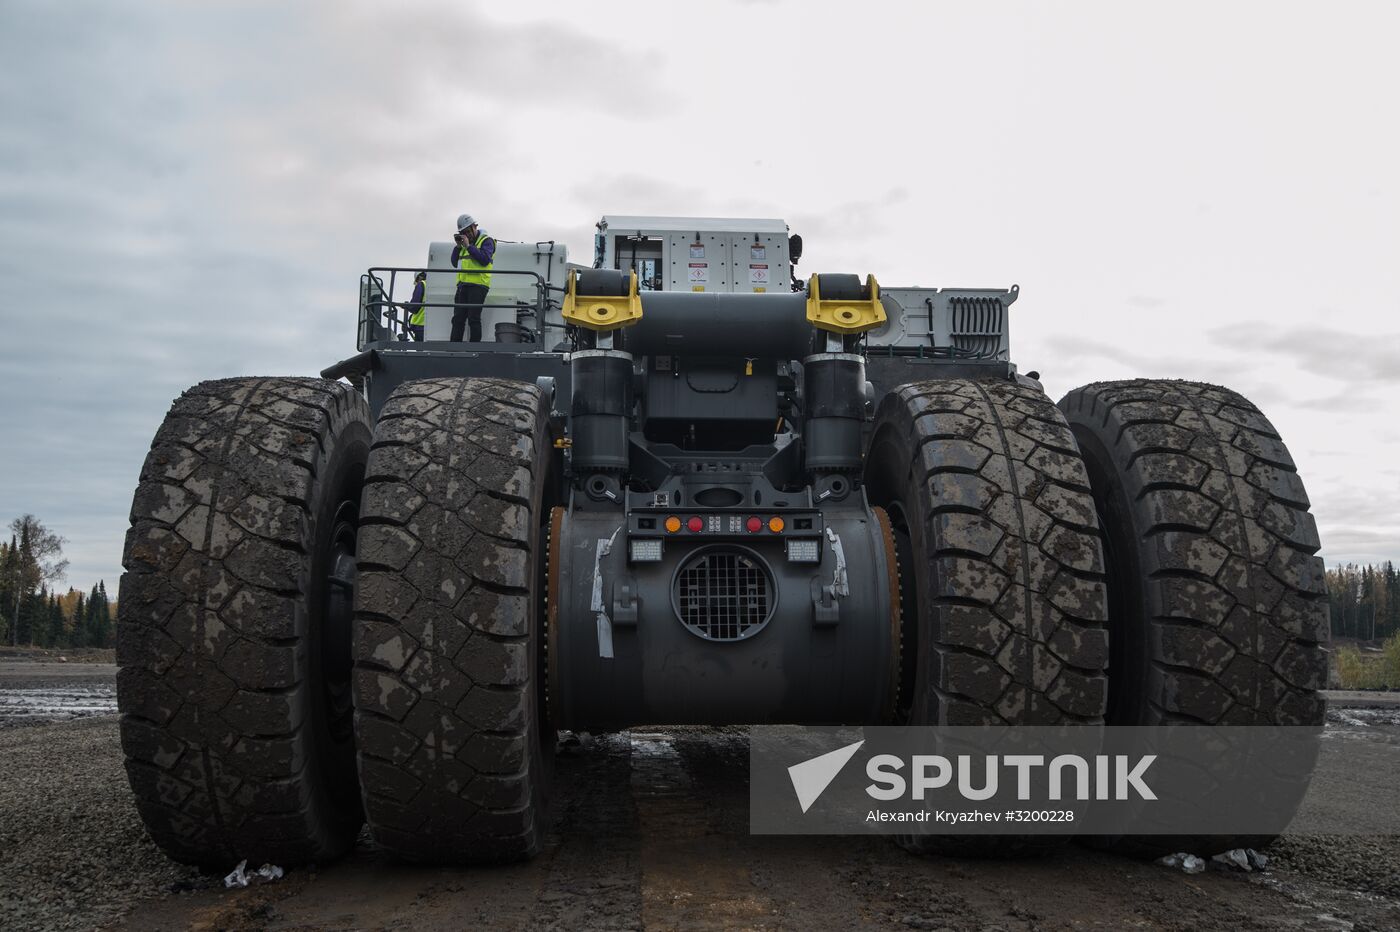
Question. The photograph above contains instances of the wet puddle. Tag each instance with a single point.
(1363, 718)
(56, 703)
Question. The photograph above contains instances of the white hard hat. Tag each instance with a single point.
(465, 221)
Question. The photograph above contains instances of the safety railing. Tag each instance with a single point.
(386, 293)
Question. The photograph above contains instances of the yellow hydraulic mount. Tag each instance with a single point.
(602, 312)
(841, 315)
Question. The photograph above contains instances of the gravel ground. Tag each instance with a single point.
(650, 831)
(1365, 864)
(73, 853)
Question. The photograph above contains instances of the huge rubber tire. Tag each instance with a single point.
(233, 634)
(1218, 601)
(455, 749)
(992, 513)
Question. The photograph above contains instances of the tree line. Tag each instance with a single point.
(1364, 601)
(32, 611)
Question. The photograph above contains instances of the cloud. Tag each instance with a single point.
(851, 220)
(1073, 349)
(1079, 358)
(1358, 520)
(1352, 357)
(1348, 545)
(628, 192)
(1342, 404)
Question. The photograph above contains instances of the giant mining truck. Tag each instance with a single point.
(680, 486)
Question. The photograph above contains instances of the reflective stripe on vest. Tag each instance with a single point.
(417, 320)
(473, 272)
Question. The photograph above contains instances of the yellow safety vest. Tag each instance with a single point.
(417, 320)
(473, 272)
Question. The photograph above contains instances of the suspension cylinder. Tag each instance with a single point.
(601, 410)
(834, 402)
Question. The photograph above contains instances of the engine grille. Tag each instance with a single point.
(723, 595)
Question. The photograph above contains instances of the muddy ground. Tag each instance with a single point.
(47, 692)
(650, 832)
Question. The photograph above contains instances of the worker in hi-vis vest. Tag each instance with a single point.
(472, 255)
(416, 318)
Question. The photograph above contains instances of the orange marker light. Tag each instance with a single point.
(776, 524)
(673, 524)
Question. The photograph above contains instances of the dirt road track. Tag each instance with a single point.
(651, 832)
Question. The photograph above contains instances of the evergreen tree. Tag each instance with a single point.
(79, 636)
(39, 630)
(108, 627)
(58, 633)
(1392, 598)
(1364, 601)
(32, 616)
(99, 620)
(1366, 605)
(42, 626)
(92, 609)
(107, 630)
(9, 588)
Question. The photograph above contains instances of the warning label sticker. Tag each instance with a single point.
(699, 273)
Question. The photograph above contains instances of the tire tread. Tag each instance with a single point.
(443, 678)
(211, 622)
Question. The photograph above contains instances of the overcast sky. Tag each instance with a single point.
(1204, 191)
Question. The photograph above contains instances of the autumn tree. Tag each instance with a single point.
(34, 560)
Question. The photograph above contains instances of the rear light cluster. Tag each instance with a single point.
(800, 533)
(696, 524)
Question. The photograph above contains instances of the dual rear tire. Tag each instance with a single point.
(254, 723)
(1141, 556)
